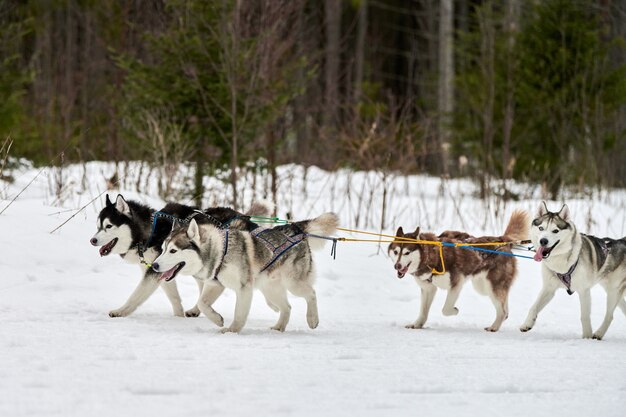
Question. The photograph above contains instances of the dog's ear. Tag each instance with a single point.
(193, 231)
(400, 232)
(543, 209)
(121, 205)
(417, 231)
(109, 203)
(564, 212)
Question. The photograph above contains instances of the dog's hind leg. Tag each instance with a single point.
(613, 298)
(242, 308)
(428, 292)
(545, 295)
(305, 290)
(148, 284)
(277, 295)
(501, 305)
(195, 311)
(622, 305)
(210, 293)
(171, 290)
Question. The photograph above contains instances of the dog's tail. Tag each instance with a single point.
(324, 225)
(264, 208)
(519, 226)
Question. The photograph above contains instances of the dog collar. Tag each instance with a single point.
(566, 278)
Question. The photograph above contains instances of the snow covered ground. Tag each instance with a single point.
(61, 355)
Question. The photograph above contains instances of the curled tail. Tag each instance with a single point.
(519, 226)
(324, 225)
(261, 208)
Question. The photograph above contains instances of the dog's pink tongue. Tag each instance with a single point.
(105, 250)
(539, 254)
(167, 275)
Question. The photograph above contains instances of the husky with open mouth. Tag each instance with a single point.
(275, 260)
(136, 232)
(491, 274)
(576, 262)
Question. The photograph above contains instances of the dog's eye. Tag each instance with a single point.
(406, 252)
(540, 229)
(108, 226)
(555, 231)
(173, 251)
(395, 251)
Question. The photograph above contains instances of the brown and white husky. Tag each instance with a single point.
(491, 274)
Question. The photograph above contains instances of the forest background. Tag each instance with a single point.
(533, 91)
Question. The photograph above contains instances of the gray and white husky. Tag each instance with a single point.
(576, 262)
(275, 260)
(131, 230)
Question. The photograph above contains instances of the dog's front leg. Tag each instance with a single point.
(428, 292)
(242, 308)
(171, 290)
(585, 312)
(550, 285)
(211, 292)
(453, 295)
(195, 311)
(148, 284)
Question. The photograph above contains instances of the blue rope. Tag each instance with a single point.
(486, 250)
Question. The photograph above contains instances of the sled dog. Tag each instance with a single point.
(136, 232)
(576, 261)
(491, 274)
(275, 260)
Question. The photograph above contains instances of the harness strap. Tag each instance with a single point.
(277, 251)
(566, 278)
(219, 267)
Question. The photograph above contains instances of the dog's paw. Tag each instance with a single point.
(278, 328)
(587, 335)
(414, 326)
(230, 330)
(179, 313)
(194, 312)
(597, 336)
(524, 328)
(118, 313)
(491, 329)
(450, 312)
(313, 321)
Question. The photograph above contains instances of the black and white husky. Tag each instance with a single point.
(274, 260)
(136, 232)
(576, 262)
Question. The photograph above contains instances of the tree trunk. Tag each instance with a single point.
(360, 51)
(333, 39)
(446, 78)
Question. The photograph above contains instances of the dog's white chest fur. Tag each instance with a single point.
(442, 281)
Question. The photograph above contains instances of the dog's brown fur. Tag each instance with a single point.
(462, 263)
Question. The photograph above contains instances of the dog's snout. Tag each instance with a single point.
(155, 267)
(544, 242)
(398, 266)
(94, 241)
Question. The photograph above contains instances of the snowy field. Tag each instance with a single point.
(61, 355)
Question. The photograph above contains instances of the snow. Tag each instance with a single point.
(60, 353)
